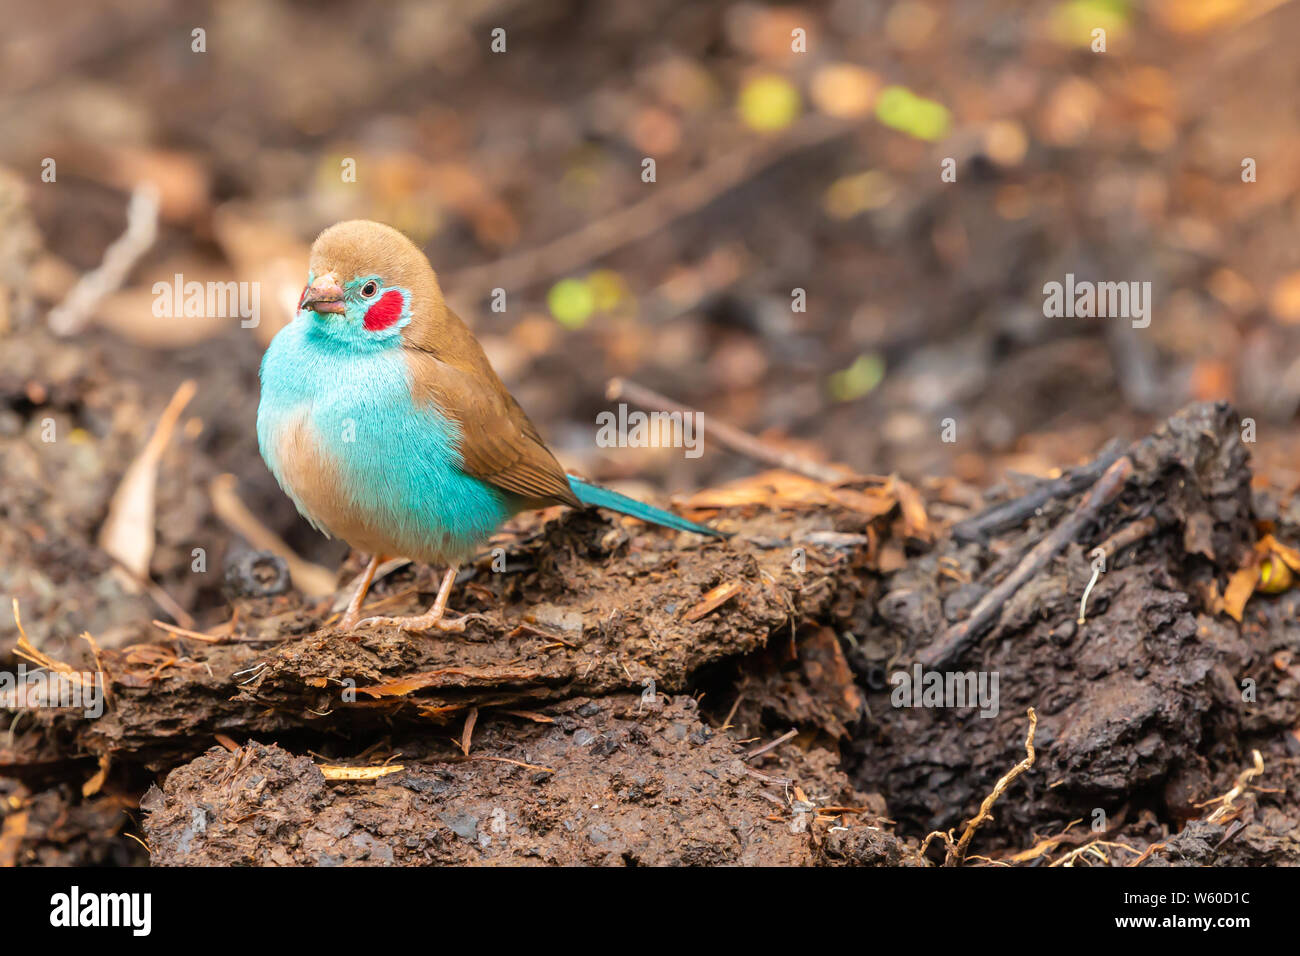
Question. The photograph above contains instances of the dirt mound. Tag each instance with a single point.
(633, 696)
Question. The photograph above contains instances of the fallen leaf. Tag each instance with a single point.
(128, 533)
(916, 524)
(1240, 587)
(1290, 556)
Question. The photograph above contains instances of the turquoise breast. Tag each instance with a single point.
(360, 460)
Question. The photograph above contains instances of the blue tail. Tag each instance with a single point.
(604, 498)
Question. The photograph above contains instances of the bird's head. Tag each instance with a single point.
(367, 283)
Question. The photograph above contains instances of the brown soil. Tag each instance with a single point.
(519, 741)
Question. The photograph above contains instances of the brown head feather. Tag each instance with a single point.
(360, 247)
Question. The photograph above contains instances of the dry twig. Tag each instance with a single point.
(70, 316)
(1009, 514)
(957, 637)
(1238, 788)
(467, 734)
(958, 852)
(759, 751)
(728, 435)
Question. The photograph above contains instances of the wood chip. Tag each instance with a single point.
(714, 599)
(467, 735)
(335, 772)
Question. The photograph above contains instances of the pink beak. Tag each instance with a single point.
(323, 296)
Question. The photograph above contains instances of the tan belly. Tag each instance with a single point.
(315, 482)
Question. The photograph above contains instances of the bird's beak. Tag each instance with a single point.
(323, 296)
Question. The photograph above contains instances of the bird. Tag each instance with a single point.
(383, 421)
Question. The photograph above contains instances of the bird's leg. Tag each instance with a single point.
(433, 619)
(353, 614)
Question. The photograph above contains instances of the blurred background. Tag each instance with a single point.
(795, 147)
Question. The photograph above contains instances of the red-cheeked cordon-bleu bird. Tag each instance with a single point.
(382, 419)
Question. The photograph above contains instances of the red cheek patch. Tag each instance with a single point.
(385, 312)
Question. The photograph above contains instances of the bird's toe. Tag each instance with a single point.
(456, 624)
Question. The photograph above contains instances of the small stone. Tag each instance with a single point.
(257, 574)
(1063, 633)
(676, 731)
(957, 605)
(424, 783)
(462, 824)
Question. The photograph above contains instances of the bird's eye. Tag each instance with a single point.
(369, 289)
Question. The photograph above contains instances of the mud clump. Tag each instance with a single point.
(632, 697)
(1142, 712)
(606, 783)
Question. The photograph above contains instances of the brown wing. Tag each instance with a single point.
(499, 444)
